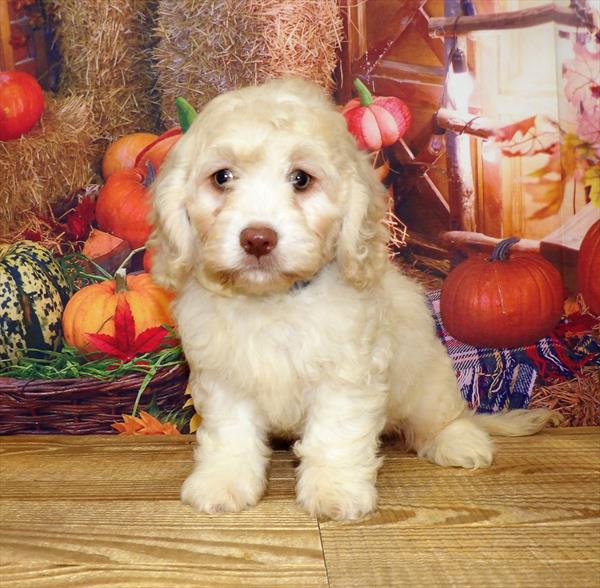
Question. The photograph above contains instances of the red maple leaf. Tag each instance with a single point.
(124, 344)
(79, 220)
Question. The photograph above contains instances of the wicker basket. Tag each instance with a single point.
(83, 406)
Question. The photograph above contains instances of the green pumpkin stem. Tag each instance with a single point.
(500, 252)
(121, 280)
(365, 96)
(185, 112)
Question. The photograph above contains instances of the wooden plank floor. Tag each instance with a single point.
(104, 512)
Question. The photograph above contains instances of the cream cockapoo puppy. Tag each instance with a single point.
(268, 226)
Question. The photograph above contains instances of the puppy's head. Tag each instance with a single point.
(265, 189)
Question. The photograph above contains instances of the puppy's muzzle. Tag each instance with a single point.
(258, 241)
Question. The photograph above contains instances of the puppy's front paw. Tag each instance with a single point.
(322, 492)
(209, 492)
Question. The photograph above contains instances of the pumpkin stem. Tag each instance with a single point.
(121, 280)
(500, 252)
(365, 96)
(185, 112)
(150, 174)
(125, 262)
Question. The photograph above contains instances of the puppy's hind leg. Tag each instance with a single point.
(437, 423)
(440, 427)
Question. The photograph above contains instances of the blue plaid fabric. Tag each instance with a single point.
(496, 379)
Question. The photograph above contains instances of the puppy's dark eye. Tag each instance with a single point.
(222, 177)
(300, 179)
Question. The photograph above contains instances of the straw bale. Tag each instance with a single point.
(49, 163)
(577, 400)
(105, 48)
(206, 47)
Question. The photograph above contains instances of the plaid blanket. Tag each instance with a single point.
(496, 379)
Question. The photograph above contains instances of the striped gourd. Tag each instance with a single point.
(33, 293)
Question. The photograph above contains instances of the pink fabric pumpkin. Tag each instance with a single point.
(378, 121)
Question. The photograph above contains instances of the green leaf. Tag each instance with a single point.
(186, 113)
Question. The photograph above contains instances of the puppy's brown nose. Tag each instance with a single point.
(258, 241)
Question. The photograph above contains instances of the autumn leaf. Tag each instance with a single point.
(124, 344)
(575, 324)
(591, 181)
(588, 129)
(582, 89)
(508, 132)
(552, 170)
(145, 424)
(582, 77)
(530, 136)
(571, 306)
(548, 192)
(79, 220)
(130, 425)
(196, 419)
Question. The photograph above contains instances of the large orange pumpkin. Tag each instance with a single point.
(122, 153)
(588, 268)
(123, 206)
(92, 309)
(508, 300)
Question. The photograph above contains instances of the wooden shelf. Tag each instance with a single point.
(517, 19)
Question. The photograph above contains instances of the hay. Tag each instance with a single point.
(578, 400)
(106, 58)
(302, 38)
(428, 272)
(47, 164)
(208, 47)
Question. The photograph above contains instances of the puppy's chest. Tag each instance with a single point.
(278, 351)
(273, 356)
(271, 349)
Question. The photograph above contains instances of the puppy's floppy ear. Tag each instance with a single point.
(362, 244)
(171, 237)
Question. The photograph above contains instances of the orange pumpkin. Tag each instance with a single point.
(588, 268)
(121, 154)
(508, 300)
(156, 151)
(92, 309)
(123, 206)
(376, 121)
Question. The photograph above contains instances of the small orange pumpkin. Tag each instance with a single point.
(121, 154)
(588, 268)
(376, 121)
(502, 301)
(156, 151)
(92, 309)
(123, 205)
